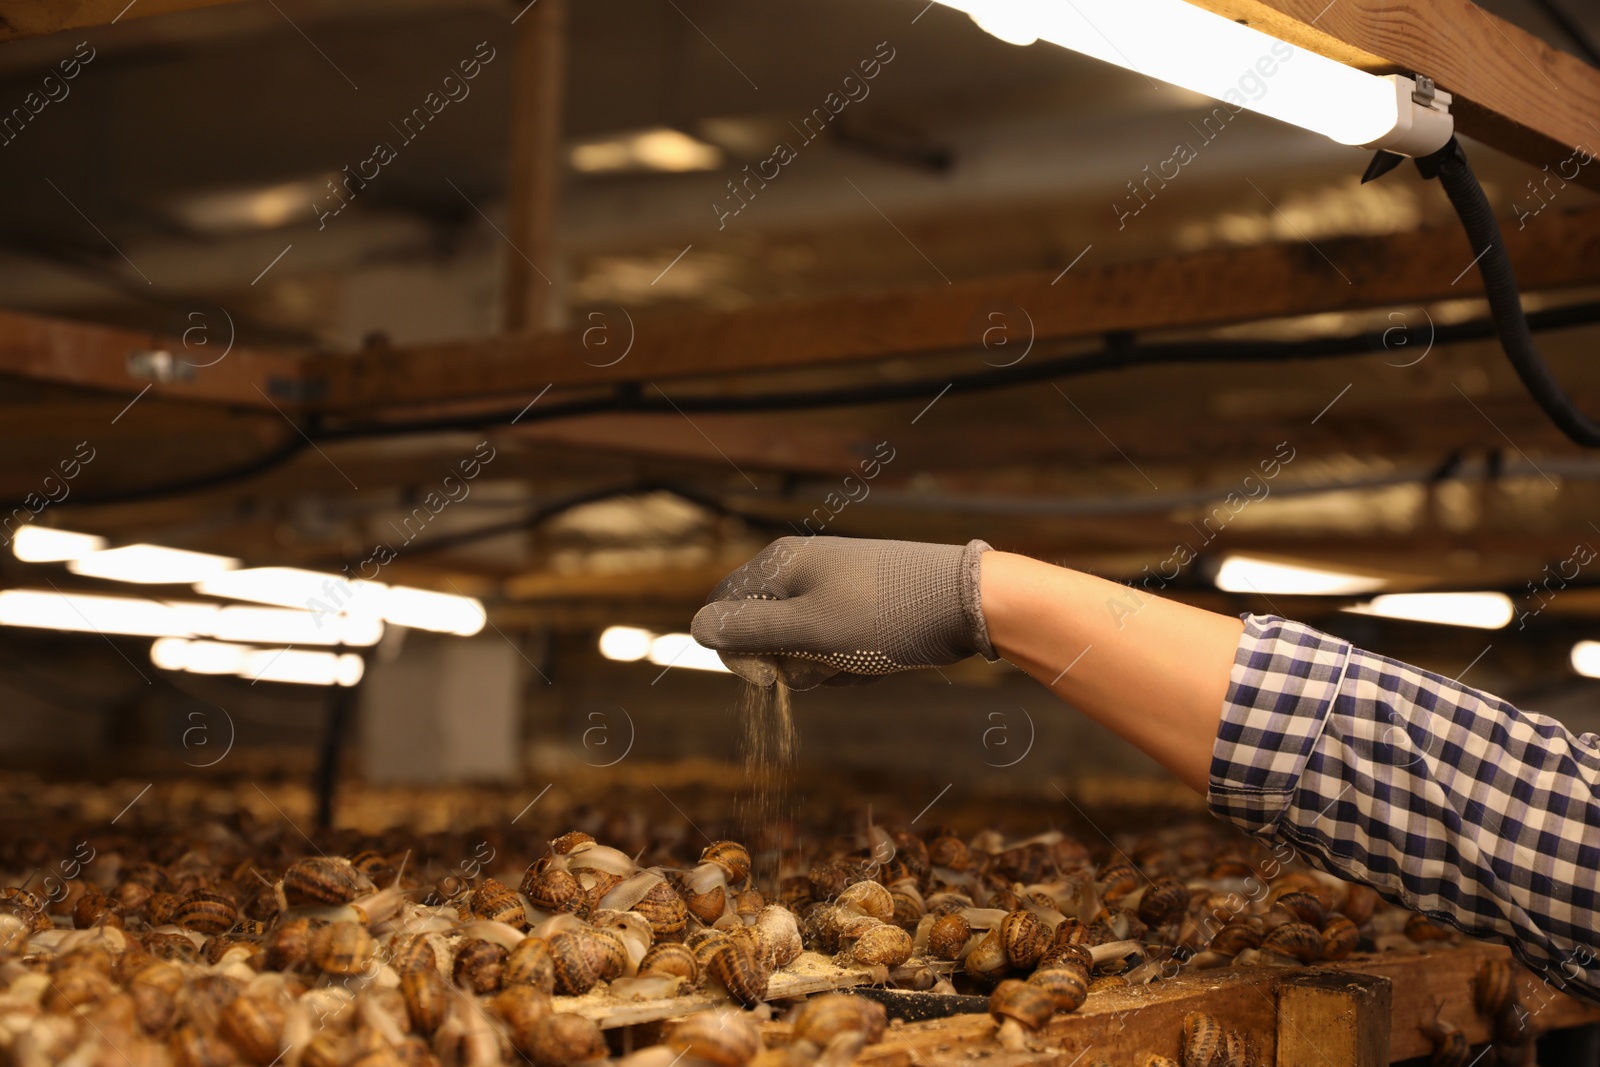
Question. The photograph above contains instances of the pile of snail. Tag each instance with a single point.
(209, 948)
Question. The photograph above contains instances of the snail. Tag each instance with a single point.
(1449, 1043)
(1068, 985)
(1020, 1009)
(1493, 987)
(724, 1039)
(561, 1039)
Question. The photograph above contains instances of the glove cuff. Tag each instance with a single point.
(972, 598)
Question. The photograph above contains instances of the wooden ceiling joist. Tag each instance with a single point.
(34, 18)
(1512, 91)
(1204, 289)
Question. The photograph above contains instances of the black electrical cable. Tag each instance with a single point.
(1450, 166)
(628, 398)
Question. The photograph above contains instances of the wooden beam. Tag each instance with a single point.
(538, 84)
(1202, 289)
(1512, 91)
(119, 360)
(1334, 1018)
(34, 18)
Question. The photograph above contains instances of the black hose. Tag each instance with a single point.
(1450, 166)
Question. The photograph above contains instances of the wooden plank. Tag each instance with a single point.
(1512, 91)
(108, 358)
(536, 163)
(33, 18)
(1211, 288)
(1334, 1018)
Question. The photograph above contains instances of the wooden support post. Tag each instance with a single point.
(538, 83)
(32, 18)
(1342, 1018)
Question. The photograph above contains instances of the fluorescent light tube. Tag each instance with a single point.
(257, 664)
(423, 609)
(40, 544)
(282, 626)
(1586, 658)
(682, 650)
(87, 613)
(1483, 611)
(151, 565)
(661, 149)
(1245, 574)
(291, 587)
(625, 644)
(1212, 55)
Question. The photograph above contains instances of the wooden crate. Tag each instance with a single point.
(1362, 1012)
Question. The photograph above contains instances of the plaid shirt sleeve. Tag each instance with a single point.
(1445, 799)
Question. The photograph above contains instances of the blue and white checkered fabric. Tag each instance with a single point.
(1445, 799)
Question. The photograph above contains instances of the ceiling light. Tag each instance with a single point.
(257, 664)
(1245, 574)
(681, 650)
(1484, 611)
(1586, 658)
(151, 565)
(1207, 53)
(40, 544)
(240, 210)
(423, 609)
(291, 587)
(87, 613)
(626, 644)
(659, 149)
(287, 627)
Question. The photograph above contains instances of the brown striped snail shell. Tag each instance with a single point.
(530, 963)
(193, 1046)
(823, 925)
(373, 866)
(175, 947)
(1029, 1005)
(663, 908)
(885, 945)
(1117, 881)
(732, 857)
(1202, 1039)
(867, 898)
(569, 841)
(670, 959)
(738, 971)
(1492, 987)
(1359, 903)
(323, 880)
(1450, 1047)
(522, 1006)
(1023, 937)
(988, 961)
(572, 964)
(747, 904)
(494, 901)
(1077, 956)
(412, 952)
(1069, 931)
(1235, 938)
(608, 953)
(948, 936)
(253, 1026)
(290, 943)
(1296, 940)
(76, 987)
(1069, 986)
(323, 1050)
(478, 966)
(553, 889)
(94, 908)
(1302, 906)
(1420, 928)
(725, 1039)
(951, 852)
(708, 906)
(909, 906)
(1339, 937)
(1153, 1059)
(342, 948)
(246, 949)
(154, 990)
(563, 1038)
(1164, 901)
(161, 907)
(825, 1017)
(426, 997)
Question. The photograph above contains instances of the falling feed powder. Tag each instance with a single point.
(768, 743)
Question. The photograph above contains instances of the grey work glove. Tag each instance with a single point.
(843, 610)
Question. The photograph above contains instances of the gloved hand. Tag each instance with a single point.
(843, 610)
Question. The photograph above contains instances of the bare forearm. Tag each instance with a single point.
(1154, 671)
